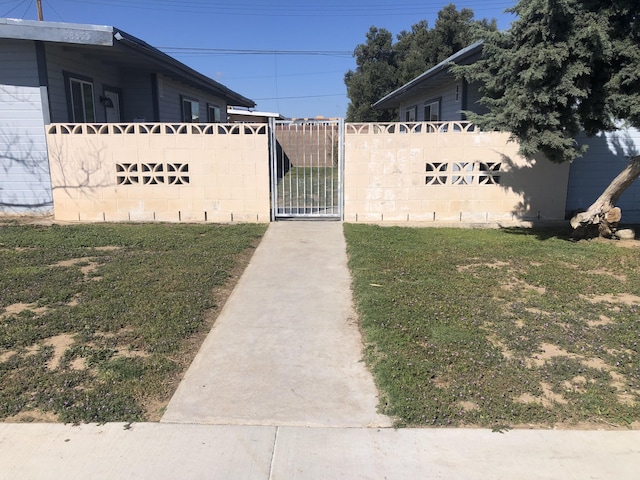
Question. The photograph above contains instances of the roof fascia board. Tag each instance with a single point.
(443, 65)
(56, 32)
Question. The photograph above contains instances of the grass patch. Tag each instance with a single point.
(304, 188)
(498, 327)
(99, 322)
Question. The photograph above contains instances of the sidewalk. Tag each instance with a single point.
(286, 349)
(278, 392)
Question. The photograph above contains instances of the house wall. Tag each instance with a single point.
(159, 172)
(59, 60)
(137, 98)
(24, 178)
(446, 172)
(450, 102)
(170, 100)
(591, 174)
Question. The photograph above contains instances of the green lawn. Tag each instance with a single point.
(309, 190)
(499, 328)
(99, 322)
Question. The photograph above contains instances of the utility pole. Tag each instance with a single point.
(39, 3)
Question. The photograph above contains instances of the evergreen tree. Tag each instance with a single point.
(565, 67)
(375, 73)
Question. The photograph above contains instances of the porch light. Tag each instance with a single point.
(106, 101)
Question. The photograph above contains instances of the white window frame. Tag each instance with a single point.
(192, 102)
(429, 108)
(411, 114)
(214, 113)
(87, 111)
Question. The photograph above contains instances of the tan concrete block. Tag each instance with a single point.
(180, 204)
(218, 217)
(159, 192)
(250, 217)
(368, 217)
(499, 216)
(141, 216)
(167, 216)
(422, 217)
(394, 217)
(242, 168)
(116, 216)
(192, 216)
(66, 215)
(190, 191)
(176, 156)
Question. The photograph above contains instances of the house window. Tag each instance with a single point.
(81, 104)
(190, 110)
(432, 111)
(410, 114)
(213, 115)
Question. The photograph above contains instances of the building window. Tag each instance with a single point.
(190, 110)
(81, 104)
(432, 111)
(410, 114)
(214, 115)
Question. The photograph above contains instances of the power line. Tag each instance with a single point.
(303, 96)
(234, 51)
(318, 9)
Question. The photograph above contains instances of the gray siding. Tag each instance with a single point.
(25, 184)
(450, 106)
(473, 98)
(59, 60)
(605, 158)
(137, 98)
(169, 100)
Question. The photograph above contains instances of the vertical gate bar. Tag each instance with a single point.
(304, 168)
(297, 170)
(332, 160)
(273, 167)
(341, 161)
(291, 169)
(324, 144)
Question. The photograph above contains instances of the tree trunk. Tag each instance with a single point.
(601, 219)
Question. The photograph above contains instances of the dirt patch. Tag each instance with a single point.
(603, 320)
(17, 308)
(6, 355)
(517, 284)
(90, 267)
(623, 298)
(602, 271)
(33, 416)
(468, 406)
(60, 344)
(471, 266)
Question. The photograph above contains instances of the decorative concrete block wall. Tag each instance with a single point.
(446, 172)
(159, 172)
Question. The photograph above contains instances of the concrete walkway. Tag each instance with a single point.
(278, 392)
(286, 349)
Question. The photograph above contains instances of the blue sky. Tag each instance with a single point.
(289, 56)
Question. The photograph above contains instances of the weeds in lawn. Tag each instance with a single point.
(98, 322)
(498, 328)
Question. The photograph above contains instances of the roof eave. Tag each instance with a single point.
(179, 68)
(390, 100)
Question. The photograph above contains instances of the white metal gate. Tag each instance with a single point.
(307, 169)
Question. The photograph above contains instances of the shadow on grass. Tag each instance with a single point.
(542, 233)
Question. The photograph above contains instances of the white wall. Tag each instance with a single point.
(24, 168)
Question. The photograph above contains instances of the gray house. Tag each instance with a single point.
(437, 95)
(71, 73)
